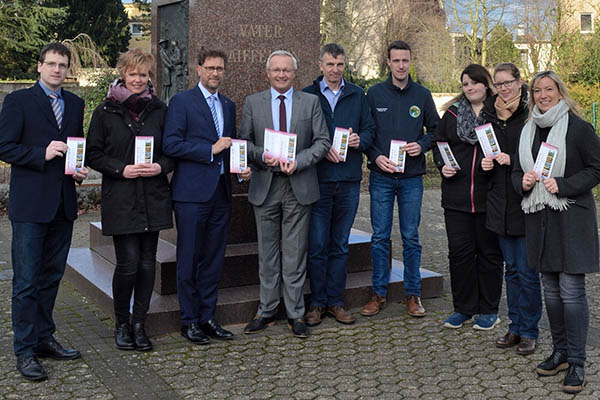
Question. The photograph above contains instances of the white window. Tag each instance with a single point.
(135, 28)
(586, 23)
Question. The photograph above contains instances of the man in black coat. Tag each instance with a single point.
(34, 126)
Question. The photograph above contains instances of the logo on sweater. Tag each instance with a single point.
(414, 111)
(382, 109)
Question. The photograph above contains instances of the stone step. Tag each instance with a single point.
(241, 260)
(91, 274)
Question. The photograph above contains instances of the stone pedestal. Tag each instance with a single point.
(91, 269)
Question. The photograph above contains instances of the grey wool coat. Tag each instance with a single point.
(566, 241)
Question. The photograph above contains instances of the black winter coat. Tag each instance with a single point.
(503, 210)
(129, 205)
(566, 241)
(466, 191)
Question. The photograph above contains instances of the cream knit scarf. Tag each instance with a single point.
(558, 119)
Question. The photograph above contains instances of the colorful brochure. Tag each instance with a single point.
(545, 160)
(340, 142)
(397, 153)
(238, 156)
(447, 155)
(144, 149)
(487, 140)
(75, 155)
(280, 145)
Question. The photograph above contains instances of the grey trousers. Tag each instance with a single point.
(282, 225)
(568, 313)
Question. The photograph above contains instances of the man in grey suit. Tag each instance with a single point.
(282, 192)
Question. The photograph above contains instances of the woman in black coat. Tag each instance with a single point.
(560, 219)
(136, 199)
(474, 256)
(507, 112)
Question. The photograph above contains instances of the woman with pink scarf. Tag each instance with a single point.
(136, 199)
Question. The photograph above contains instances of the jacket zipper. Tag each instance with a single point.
(473, 179)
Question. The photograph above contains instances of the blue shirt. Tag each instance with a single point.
(61, 101)
(219, 109)
(275, 107)
(331, 96)
(218, 106)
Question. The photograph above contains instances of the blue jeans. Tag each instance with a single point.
(409, 194)
(39, 255)
(568, 313)
(523, 292)
(330, 223)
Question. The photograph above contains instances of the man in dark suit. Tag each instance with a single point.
(34, 126)
(282, 192)
(199, 127)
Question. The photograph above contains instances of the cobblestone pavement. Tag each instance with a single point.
(390, 356)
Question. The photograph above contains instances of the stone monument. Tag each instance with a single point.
(248, 31)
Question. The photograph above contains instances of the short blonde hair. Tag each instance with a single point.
(135, 58)
(562, 89)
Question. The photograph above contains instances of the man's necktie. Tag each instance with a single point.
(56, 108)
(213, 111)
(282, 114)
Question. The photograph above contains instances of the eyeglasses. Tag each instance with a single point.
(210, 70)
(278, 71)
(52, 65)
(506, 84)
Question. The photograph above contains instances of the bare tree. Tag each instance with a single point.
(476, 19)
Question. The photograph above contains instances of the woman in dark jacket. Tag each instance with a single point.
(473, 253)
(507, 112)
(136, 199)
(560, 219)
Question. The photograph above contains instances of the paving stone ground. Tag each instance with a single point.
(389, 356)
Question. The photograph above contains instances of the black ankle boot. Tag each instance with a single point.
(123, 339)
(142, 343)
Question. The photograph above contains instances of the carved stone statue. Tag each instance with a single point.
(180, 70)
(168, 67)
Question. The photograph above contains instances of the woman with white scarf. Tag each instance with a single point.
(560, 219)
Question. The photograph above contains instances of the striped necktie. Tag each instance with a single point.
(56, 108)
(213, 111)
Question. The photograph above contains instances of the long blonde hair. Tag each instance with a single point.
(562, 89)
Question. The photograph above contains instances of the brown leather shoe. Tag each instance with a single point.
(314, 316)
(341, 315)
(526, 347)
(374, 305)
(414, 306)
(508, 340)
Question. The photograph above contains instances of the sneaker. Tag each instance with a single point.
(552, 365)
(456, 320)
(486, 322)
(574, 379)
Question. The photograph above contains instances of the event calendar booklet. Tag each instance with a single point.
(280, 145)
(238, 156)
(447, 155)
(545, 160)
(144, 148)
(397, 154)
(487, 140)
(75, 155)
(340, 142)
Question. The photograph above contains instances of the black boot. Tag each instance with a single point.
(123, 339)
(142, 343)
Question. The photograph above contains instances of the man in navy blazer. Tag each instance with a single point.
(199, 126)
(34, 126)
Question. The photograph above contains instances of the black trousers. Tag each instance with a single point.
(475, 263)
(134, 273)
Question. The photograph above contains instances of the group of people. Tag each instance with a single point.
(500, 212)
(497, 210)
